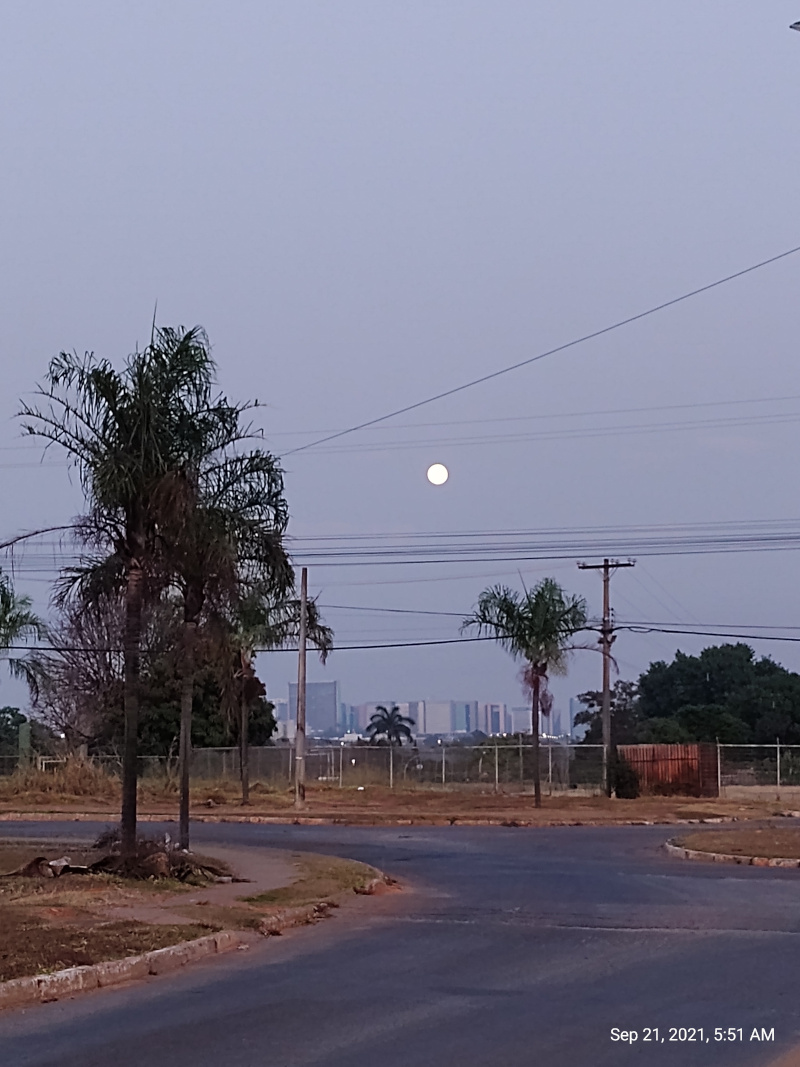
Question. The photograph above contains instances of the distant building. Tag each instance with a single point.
(322, 707)
(464, 716)
(438, 716)
(494, 719)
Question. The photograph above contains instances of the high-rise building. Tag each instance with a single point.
(438, 716)
(493, 719)
(464, 716)
(322, 707)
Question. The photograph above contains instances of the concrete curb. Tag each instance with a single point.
(343, 820)
(727, 857)
(42, 988)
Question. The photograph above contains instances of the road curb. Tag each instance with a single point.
(43, 988)
(342, 820)
(727, 857)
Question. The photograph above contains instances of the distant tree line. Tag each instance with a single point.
(725, 693)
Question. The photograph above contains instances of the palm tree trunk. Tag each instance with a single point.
(244, 746)
(185, 753)
(130, 752)
(537, 783)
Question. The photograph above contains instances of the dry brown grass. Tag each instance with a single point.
(769, 842)
(321, 878)
(78, 786)
(73, 778)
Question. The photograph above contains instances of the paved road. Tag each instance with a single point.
(516, 948)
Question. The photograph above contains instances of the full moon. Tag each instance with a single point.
(438, 474)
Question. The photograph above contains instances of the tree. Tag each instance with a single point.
(17, 621)
(724, 694)
(625, 717)
(536, 627)
(391, 724)
(225, 536)
(258, 623)
(130, 433)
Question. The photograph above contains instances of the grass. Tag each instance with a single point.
(769, 842)
(32, 945)
(73, 778)
(51, 923)
(321, 878)
(80, 786)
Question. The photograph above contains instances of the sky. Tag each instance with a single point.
(367, 204)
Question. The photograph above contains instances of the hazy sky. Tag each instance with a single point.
(366, 203)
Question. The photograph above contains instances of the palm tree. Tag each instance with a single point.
(225, 540)
(130, 433)
(258, 623)
(17, 621)
(536, 627)
(389, 723)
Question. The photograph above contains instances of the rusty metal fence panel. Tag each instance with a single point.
(664, 769)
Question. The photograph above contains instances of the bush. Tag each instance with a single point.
(626, 781)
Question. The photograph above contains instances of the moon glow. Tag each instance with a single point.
(438, 474)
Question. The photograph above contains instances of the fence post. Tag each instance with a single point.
(778, 759)
(443, 766)
(719, 771)
(341, 761)
(549, 770)
(521, 765)
(391, 765)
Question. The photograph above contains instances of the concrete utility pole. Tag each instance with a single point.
(608, 567)
(300, 736)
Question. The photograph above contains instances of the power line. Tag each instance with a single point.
(550, 352)
(556, 415)
(566, 434)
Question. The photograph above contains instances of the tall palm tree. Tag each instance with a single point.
(536, 627)
(129, 433)
(225, 541)
(391, 724)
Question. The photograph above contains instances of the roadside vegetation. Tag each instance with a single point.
(51, 921)
(770, 842)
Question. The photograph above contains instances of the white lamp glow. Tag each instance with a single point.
(438, 474)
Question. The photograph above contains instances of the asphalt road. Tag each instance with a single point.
(514, 948)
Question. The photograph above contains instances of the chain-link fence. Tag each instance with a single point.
(759, 769)
(505, 767)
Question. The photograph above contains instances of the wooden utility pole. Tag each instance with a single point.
(608, 567)
(300, 736)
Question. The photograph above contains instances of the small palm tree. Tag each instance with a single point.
(258, 623)
(536, 627)
(389, 723)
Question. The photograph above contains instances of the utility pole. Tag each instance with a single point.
(608, 567)
(300, 736)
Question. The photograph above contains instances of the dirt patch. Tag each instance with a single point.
(55, 922)
(768, 842)
(33, 946)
